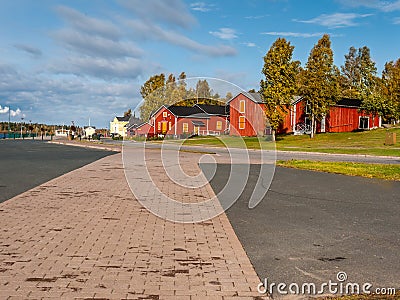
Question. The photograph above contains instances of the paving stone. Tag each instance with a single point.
(85, 235)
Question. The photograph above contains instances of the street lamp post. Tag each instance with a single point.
(21, 128)
(9, 119)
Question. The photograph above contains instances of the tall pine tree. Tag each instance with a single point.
(351, 76)
(371, 93)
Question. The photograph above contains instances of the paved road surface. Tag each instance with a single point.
(312, 225)
(26, 164)
(280, 155)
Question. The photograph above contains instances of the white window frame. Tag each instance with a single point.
(242, 125)
(218, 125)
(187, 127)
(164, 114)
(307, 108)
(359, 122)
(244, 106)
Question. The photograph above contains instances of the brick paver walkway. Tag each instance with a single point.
(83, 235)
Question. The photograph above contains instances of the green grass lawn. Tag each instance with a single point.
(231, 142)
(366, 142)
(370, 142)
(381, 171)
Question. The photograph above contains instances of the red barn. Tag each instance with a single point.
(344, 116)
(247, 116)
(181, 121)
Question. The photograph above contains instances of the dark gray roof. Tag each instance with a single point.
(123, 119)
(186, 111)
(256, 97)
(349, 102)
(218, 110)
(134, 121)
(143, 123)
(198, 124)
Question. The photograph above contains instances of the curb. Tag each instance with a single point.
(85, 146)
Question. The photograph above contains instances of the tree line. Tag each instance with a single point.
(36, 128)
(29, 127)
(322, 84)
(159, 90)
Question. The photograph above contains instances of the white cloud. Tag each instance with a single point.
(88, 24)
(396, 21)
(13, 113)
(294, 34)
(382, 5)
(107, 69)
(95, 48)
(250, 44)
(201, 6)
(225, 33)
(96, 45)
(4, 110)
(256, 17)
(35, 52)
(146, 30)
(336, 20)
(173, 12)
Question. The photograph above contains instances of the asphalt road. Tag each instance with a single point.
(312, 225)
(26, 164)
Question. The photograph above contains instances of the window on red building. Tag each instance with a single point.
(242, 122)
(242, 107)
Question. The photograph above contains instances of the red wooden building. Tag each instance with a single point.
(182, 121)
(247, 117)
(246, 114)
(141, 130)
(344, 116)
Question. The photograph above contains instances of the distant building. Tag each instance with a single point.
(143, 130)
(118, 125)
(132, 125)
(89, 131)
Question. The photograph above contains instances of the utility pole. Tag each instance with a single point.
(9, 119)
(21, 128)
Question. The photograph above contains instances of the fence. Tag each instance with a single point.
(17, 135)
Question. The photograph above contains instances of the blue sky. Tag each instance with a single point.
(71, 60)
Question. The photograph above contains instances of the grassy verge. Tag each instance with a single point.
(381, 171)
(231, 142)
(367, 142)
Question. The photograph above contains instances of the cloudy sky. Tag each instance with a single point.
(74, 60)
